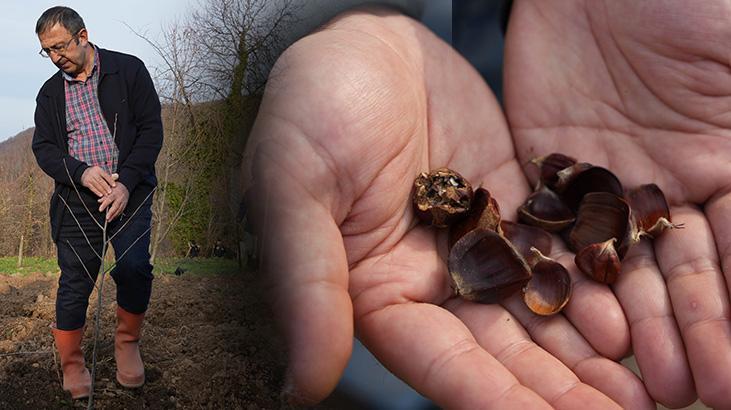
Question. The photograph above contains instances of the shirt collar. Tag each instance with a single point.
(93, 69)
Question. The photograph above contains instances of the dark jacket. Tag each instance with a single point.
(130, 104)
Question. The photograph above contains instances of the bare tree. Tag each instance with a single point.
(240, 39)
(214, 68)
(180, 91)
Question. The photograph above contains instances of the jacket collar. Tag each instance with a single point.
(107, 64)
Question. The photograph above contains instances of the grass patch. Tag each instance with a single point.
(163, 266)
(196, 266)
(46, 266)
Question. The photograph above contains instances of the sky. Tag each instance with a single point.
(23, 71)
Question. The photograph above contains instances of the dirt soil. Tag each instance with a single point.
(207, 342)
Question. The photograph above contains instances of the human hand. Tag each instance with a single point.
(644, 89)
(97, 180)
(351, 115)
(116, 201)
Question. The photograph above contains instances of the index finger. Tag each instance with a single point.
(496, 331)
(444, 361)
(114, 210)
(109, 179)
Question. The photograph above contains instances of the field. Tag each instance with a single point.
(207, 341)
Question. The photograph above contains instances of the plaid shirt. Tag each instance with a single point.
(90, 140)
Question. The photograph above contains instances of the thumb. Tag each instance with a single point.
(304, 262)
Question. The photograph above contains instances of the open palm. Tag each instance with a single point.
(351, 115)
(644, 88)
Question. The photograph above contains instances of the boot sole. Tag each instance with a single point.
(130, 384)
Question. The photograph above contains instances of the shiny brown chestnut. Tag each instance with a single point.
(441, 196)
(485, 267)
(566, 175)
(600, 261)
(524, 237)
(602, 216)
(592, 179)
(484, 213)
(549, 288)
(550, 165)
(650, 210)
(545, 209)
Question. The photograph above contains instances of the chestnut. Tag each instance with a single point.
(550, 165)
(601, 216)
(545, 209)
(484, 213)
(591, 179)
(525, 237)
(441, 196)
(485, 267)
(650, 210)
(600, 261)
(549, 288)
(566, 175)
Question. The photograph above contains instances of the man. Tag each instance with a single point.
(98, 133)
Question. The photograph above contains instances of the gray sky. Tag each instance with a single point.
(23, 71)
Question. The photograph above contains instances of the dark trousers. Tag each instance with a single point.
(80, 262)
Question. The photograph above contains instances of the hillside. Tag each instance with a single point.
(16, 157)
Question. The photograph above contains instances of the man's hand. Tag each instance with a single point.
(644, 88)
(351, 115)
(116, 201)
(98, 181)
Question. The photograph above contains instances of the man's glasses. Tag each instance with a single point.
(57, 49)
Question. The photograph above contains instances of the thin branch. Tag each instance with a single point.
(73, 184)
(26, 353)
(176, 74)
(55, 364)
(117, 259)
(133, 214)
(82, 264)
(100, 294)
(79, 225)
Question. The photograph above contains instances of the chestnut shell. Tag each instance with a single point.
(593, 179)
(545, 209)
(524, 237)
(486, 268)
(650, 210)
(550, 165)
(484, 213)
(601, 216)
(600, 261)
(549, 289)
(441, 196)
